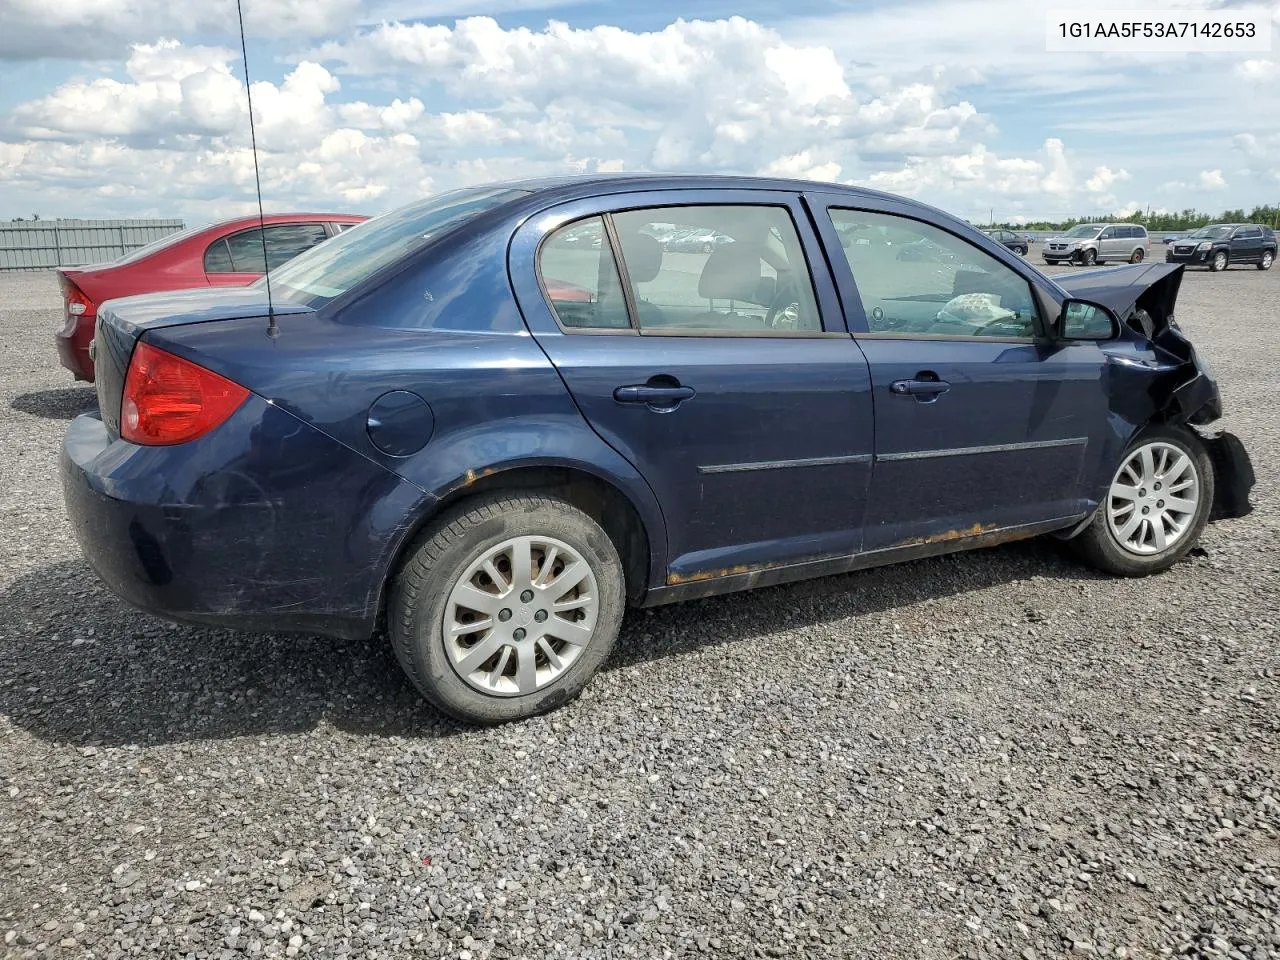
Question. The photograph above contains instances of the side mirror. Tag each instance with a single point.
(1082, 320)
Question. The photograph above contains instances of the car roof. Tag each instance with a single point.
(271, 218)
(571, 186)
(547, 191)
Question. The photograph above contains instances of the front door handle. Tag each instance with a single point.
(653, 396)
(919, 388)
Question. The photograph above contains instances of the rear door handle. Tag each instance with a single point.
(653, 396)
(919, 388)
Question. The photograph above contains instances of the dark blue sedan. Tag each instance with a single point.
(493, 419)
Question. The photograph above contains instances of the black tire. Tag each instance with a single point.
(1137, 256)
(1219, 261)
(1089, 257)
(1268, 258)
(420, 592)
(1022, 251)
(1098, 547)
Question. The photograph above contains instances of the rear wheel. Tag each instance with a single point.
(506, 608)
(1137, 256)
(1155, 509)
(1219, 261)
(1267, 259)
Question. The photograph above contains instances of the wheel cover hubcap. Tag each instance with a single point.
(520, 615)
(1153, 499)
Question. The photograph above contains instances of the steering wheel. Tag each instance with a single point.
(784, 301)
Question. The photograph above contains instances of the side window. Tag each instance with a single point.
(286, 240)
(1108, 234)
(916, 279)
(217, 259)
(717, 269)
(246, 252)
(580, 278)
(1251, 233)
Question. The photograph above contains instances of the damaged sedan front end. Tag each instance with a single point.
(1156, 377)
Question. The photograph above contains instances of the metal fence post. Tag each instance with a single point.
(57, 245)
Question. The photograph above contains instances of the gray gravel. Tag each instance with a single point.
(996, 754)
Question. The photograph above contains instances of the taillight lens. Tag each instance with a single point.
(170, 400)
(77, 304)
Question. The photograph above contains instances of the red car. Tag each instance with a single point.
(227, 254)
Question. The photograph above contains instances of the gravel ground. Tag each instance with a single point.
(996, 754)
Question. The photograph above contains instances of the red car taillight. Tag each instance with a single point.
(170, 400)
(77, 304)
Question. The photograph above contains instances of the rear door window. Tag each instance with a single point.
(703, 270)
(243, 250)
(724, 270)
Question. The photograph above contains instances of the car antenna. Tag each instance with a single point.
(273, 330)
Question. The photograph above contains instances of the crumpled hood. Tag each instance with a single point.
(1120, 287)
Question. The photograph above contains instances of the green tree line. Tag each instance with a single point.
(1172, 222)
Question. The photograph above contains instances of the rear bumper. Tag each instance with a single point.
(72, 342)
(265, 524)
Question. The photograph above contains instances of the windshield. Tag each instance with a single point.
(332, 268)
(1209, 233)
(155, 245)
(1084, 230)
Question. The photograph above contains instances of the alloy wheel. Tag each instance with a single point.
(1153, 499)
(1219, 261)
(520, 615)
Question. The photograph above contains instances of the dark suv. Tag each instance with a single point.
(1219, 245)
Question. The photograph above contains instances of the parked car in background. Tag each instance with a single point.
(1220, 245)
(1090, 243)
(226, 254)
(433, 439)
(1019, 244)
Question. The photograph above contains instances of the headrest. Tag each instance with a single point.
(643, 256)
(732, 272)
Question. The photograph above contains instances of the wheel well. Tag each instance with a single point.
(600, 500)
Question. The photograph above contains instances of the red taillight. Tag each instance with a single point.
(171, 400)
(77, 304)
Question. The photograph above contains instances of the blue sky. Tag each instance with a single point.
(364, 104)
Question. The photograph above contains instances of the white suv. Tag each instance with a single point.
(1091, 243)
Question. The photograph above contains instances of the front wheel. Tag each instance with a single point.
(1155, 509)
(1219, 262)
(1267, 259)
(506, 607)
(1089, 258)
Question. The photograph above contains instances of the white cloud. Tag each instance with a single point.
(372, 116)
(1104, 178)
(1212, 180)
(1259, 71)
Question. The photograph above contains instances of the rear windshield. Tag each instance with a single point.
(156, 245)
(332, 268)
